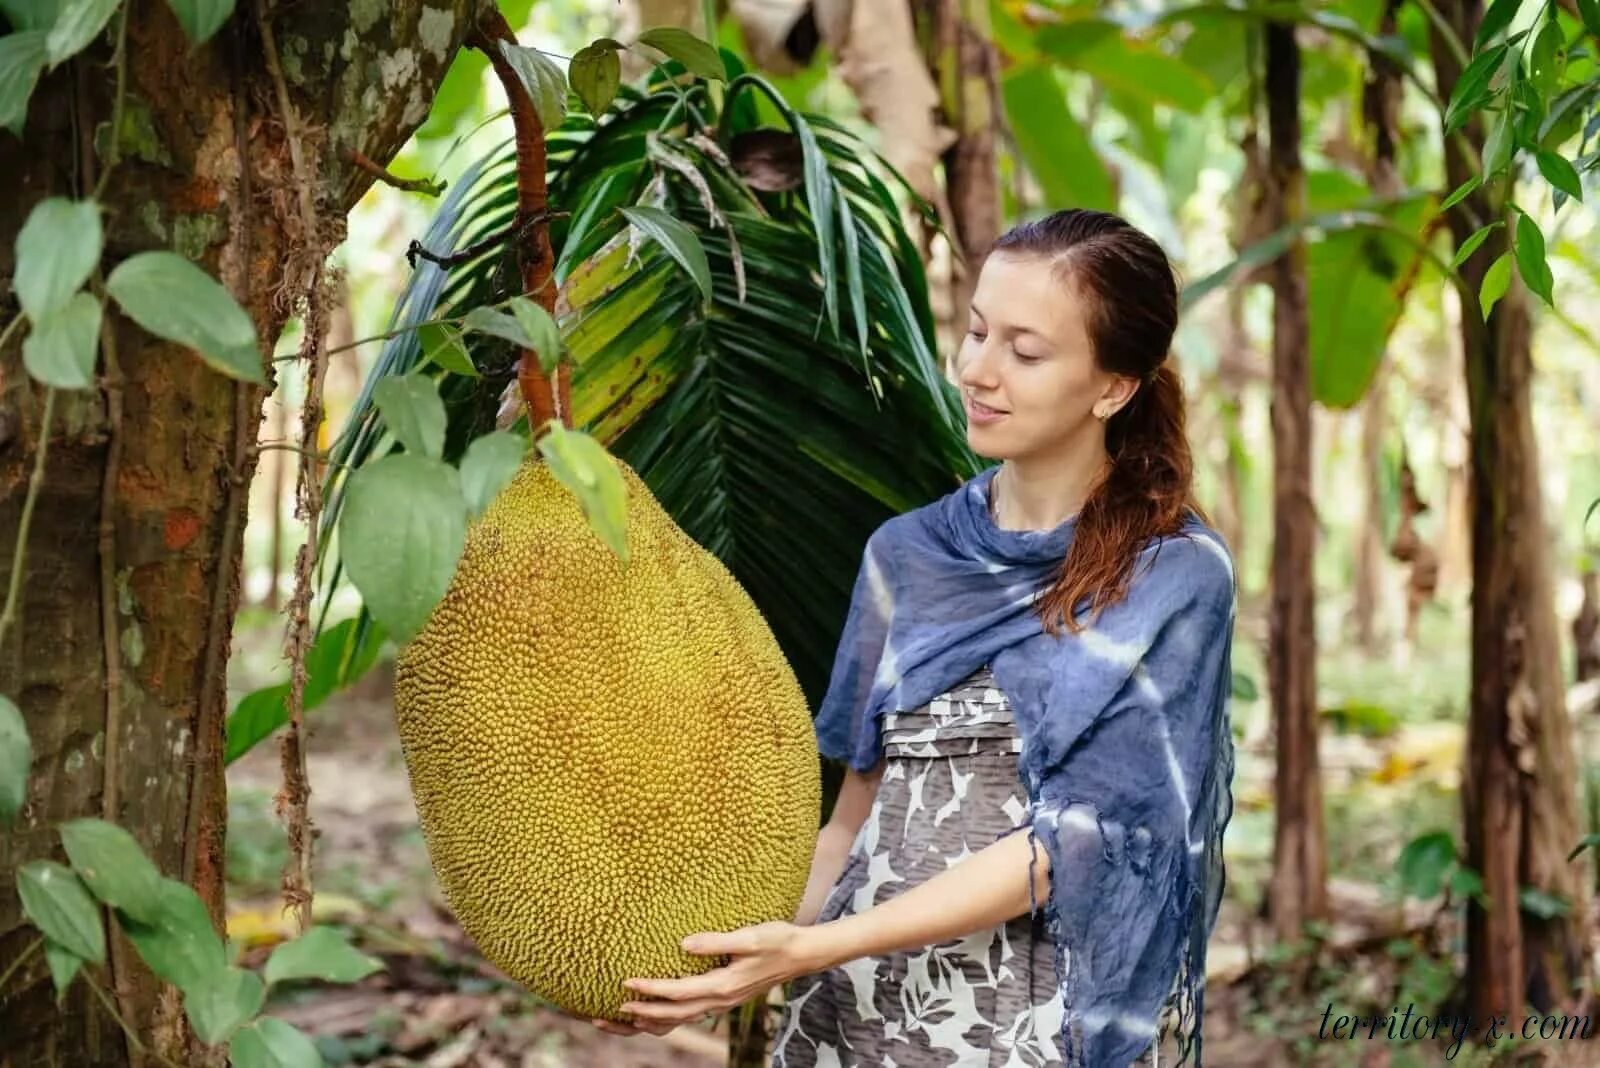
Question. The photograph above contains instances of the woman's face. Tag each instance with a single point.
(1027, 356)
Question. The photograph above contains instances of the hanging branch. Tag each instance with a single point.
(292, 802)
(546, 396)
(426, 186)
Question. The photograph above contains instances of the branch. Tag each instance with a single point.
(425, 186)
(9, 615)
(518, 230)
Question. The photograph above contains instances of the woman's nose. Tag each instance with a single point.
(975, 369)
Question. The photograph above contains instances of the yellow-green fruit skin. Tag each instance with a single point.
(604, 757)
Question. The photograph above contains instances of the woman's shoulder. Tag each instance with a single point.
(1194, 558)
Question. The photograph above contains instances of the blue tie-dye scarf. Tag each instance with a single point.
(1127, 754)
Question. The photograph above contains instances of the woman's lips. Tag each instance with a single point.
(982, 414)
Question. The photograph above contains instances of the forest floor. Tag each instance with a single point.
(438, 1004)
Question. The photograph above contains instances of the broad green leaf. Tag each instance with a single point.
(1423, 863)
(174, 299)
(61, 346)
(1496, 280)
(320, 953)
(540, 329)
(1531, 262)
(582, 465)
(401, 532)
(58, 903)
(1497, 18)
(57, 249)
(1244, 687)
(543, 80)
(271, 1043)
(22, 58)
(680, 242)
(442, 344)
(1462, 192)
(31, 14)
(488, 466)
(1464, 882)
(1472, 88)
(78, 23)
(1054, 145)
(1497, 148)
(201, 18)
(114, 866)
(180, 945)
(1542, 903)
(412, 409)
(1134, 67)
(696, 55)
(220, 1007)
(497, 323)
(596, 74)
(16, 759)
(1470, 245)
(333, 663)
(1547, 59)
(1559, 173)
(64, 965)
(1590, 11)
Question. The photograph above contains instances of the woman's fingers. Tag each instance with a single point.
(673, 1013)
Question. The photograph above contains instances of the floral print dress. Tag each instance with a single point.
(989, 1000)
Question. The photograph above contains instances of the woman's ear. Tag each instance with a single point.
(1116, 396)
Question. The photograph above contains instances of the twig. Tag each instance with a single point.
(294, 800)
(320, 457)
(415, 251)
(33, 947)
(34, 482)
(133, 1037)
(114, 152)
(426, 186)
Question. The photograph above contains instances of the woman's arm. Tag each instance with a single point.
(850, 811)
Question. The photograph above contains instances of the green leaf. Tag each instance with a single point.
(31, 14)
(1463, 191)
(1470, 245)
(22, 59)
(320, 953)
(1496, 280)
(61, 346)
(16, 760)
(1471, 91)
(1542, 903)
(543, 80)
(1531, 261)
(78, 23)
(180, 945)
(582, 465)
(1559, 173)
(1131, 66)
(679, 241)
(596, 74)
(333, 663)
(540, 329)
(1547, 59)
(401, 533)
(1497, 148)
(412, 408)
(201, 18)
(1497, 18)
(1052, 142)
(1590, 11)
(1423, 863)
(114, 866)
(57, 249)
(1464, 882)
(1588, 841)
(174, 299)
(1244, 687)
(58, 903)
(492, 321)
(491, 461)
(64, 965)
(220, 1007)
(696, 55)
(443, 345)
(271, 1043)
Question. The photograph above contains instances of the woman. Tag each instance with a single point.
(1046, 649)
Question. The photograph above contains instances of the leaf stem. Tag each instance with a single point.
(133, 1036)
(120, 59)
(33, 947)
(35, 480)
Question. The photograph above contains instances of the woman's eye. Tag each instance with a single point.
(976, 335)
(1027, 357)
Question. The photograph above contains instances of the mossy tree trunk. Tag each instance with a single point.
(1518, 794)
(206, 172)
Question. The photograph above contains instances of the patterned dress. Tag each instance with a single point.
(988, 1000)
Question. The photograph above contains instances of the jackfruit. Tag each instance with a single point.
(605, 758)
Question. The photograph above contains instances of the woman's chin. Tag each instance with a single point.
(986, 444)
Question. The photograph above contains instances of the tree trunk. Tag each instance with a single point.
(1298, 889)
(1586, 630)
(1518, 799)
(128, 723)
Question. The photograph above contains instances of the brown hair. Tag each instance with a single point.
(1130, 297)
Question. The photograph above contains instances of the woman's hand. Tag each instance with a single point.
(762, 957)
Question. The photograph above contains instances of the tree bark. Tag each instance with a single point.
(1298, 890)
(1518, 799)
(208, 176)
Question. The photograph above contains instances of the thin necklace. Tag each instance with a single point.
(994, 496)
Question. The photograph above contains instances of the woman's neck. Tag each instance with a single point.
(1031, 494)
